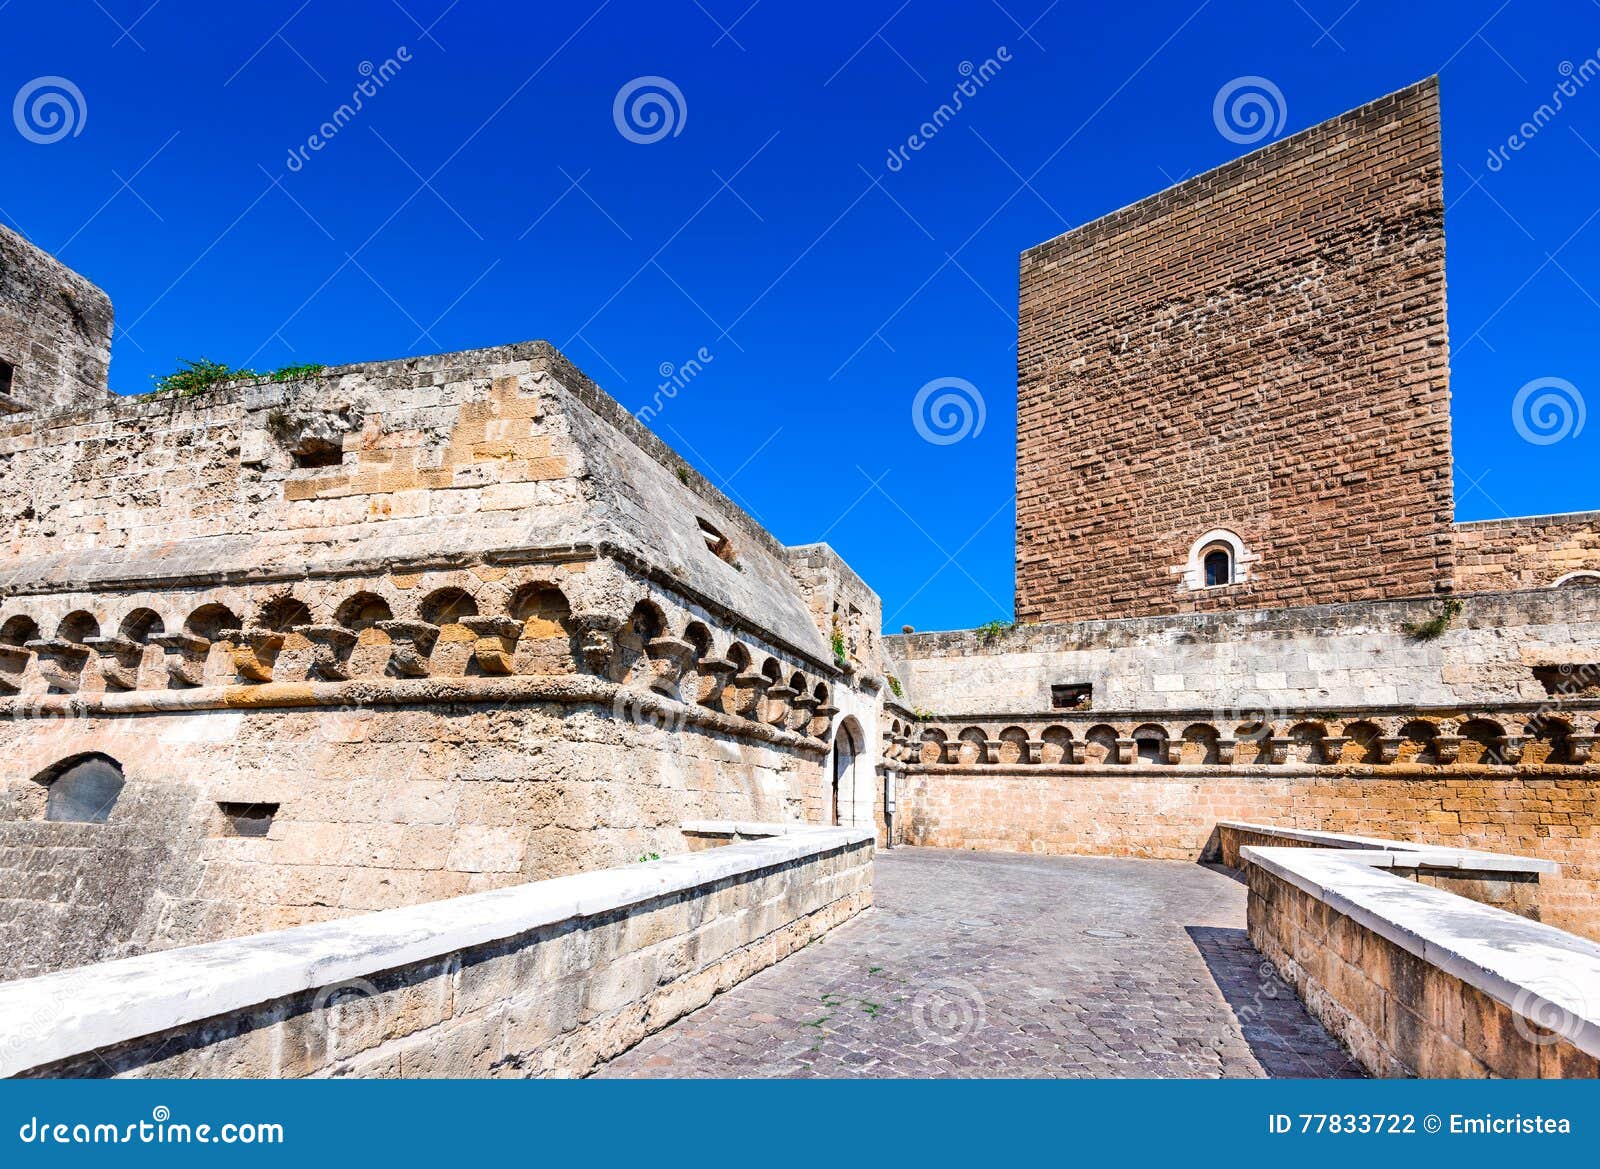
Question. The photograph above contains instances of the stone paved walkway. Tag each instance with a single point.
(986, 964)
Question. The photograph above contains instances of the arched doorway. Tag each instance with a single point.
(846, 753)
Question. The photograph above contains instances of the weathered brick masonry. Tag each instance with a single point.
(1261, 348)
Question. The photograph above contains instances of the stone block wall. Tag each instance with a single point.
(1530, 552)
(1318, 656)
(423, 791)
(550, 979)
(55, 333)
(1170, 813)
(1261, 348)
(1399, 1014)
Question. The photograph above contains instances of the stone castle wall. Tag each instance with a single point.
(1261, 349)
(55, 333)
(1327, 655)
(458, 621)
(1529, 552)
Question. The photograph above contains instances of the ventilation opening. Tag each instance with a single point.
(6, 371)
(716, 543)
(85, 792)
(1072, 696)
(247, 819)
(1571, 681)
(317, 452)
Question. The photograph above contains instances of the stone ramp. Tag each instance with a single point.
(992, 964)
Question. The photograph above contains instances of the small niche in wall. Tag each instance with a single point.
(84, 791)
(7, 370)
(1570, 680)
(246, 819)
(1072, 695)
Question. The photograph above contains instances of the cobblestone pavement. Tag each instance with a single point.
(988, 964)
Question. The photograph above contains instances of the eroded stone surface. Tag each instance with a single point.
(989, 965)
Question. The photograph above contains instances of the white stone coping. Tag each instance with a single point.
(57, 1016)
(1403, 854)
(1542, 973)
(752, 828)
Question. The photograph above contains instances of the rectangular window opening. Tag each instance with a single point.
(1072, 695)
(7, 370)
(247, 819)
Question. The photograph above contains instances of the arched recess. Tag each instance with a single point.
(1579, 579)
(18, 631)
(82, 789)
(1202, 745)
(1307, 743)
(1150, 744)
(1100, 744)
(1014, 746)
(548, 642)
(281, 614)
(1482, 743)
(933, 747)
(1417, 742)
(363, 611)
(1365, 743)
(1056, 745)
(632, 661)
(973, 746)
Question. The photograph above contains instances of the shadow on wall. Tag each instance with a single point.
(1272, 1019)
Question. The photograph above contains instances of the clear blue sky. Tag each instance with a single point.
(485, 195)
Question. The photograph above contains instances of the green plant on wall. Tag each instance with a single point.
(194, 377)
(1434, 626)
(993, 630)
(895, 688)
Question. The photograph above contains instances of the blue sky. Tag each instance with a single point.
(485, 194)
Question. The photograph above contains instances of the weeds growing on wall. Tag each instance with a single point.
(994, 630)
(895, 688)
(194, 377)
(1434, 626)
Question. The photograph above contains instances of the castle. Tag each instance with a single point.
(441, 631)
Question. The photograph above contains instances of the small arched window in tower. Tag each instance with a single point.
(1218, 566)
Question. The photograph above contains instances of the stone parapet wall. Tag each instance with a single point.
(1529, 552)
(1170, 813)
(1498, 879)
(1416, 981)
(1357, 654)
(1261, 348)
(545, 979)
